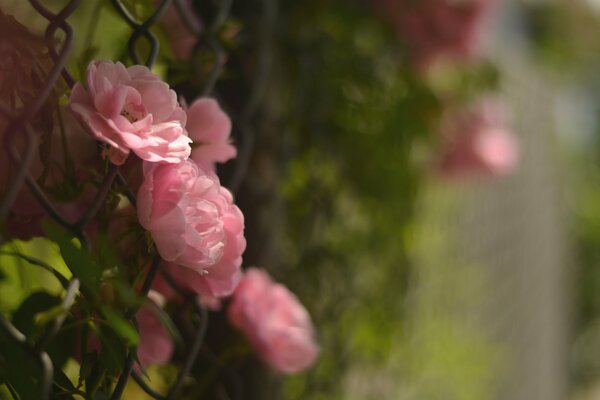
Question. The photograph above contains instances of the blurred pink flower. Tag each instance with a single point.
(131, 109)
(156, 344)
(478, 141)
(432, 29)
(180, 37)
(194, 224)
(209, 127)
(274, 321)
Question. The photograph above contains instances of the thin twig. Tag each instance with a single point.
(145, 387)
(131, 356)
(105, 186)
(193, 352)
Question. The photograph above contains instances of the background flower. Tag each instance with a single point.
(432, 29)
(156, 344)
(274, 321)
(478, 141)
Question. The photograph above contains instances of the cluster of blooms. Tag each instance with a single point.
(432, 29)
(197, 229)
(477, 141)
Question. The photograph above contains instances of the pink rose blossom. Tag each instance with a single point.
(156, 345)
(432, 29)
(194, 224)
(196, 282)
(209, 127)
(478, 141)
(131, 109)
(274, 321)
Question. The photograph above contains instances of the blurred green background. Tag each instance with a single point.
(419, 287)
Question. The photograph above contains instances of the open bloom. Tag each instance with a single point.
(274, 321)
(478, 141)
(194, 224)
(131, 109)
(156, 344)
(210, 128)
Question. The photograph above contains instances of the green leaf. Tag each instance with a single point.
(114, 352)
(27, 317)
(81, 263)
(24, 316)
(25, 377)
(101, 396)
(121, 326)
(63, 387)
(42, 318)
(87, 365)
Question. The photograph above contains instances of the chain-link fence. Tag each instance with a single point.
(21, 138)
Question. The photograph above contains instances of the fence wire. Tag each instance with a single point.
(20, 126)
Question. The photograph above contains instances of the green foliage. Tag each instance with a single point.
(79, 261)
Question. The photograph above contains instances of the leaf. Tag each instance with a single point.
(26, 377)
(60, 347)
(81, 263)
(87, 364)
(101, 396)
(24, 316)
(63, 387)
(42, 318)
(121, 326)
(114, 352)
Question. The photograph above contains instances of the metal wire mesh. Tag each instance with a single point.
(20, 126)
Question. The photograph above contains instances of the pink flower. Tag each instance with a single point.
(210, 284)
(209, 127)
(156, 345)
(162, 286)
(194, 224)
(131, 109)
(477, 141)
(274, 321)
(432, 29)
(180, 37)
